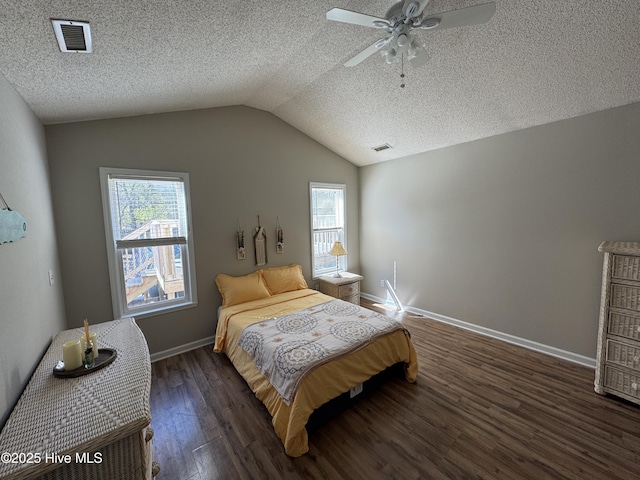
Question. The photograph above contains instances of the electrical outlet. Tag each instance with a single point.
(52, 278)
(382, 283)
(357, 390)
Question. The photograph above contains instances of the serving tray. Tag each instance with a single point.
(104, 358)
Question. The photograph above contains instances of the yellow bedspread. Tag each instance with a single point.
(323, 383)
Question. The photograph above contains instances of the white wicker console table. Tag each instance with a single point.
(93, 427)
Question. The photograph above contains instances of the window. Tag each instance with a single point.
(327, 226)
(147, 218)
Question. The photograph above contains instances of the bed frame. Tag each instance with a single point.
(335, 407)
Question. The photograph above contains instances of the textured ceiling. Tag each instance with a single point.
(534, 62)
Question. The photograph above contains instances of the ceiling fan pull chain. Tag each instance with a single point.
(402, 69)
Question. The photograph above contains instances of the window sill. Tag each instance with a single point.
(160, 310)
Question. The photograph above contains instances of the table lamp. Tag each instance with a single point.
(338, 250)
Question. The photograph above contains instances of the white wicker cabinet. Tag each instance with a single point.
(346, 287)
(100, 420)
(618, 355)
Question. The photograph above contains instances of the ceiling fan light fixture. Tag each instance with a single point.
(391, 56)
(401, 19)
(414, 48)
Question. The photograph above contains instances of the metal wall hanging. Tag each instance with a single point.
(240, 254)
(260, 243)
(279, 237)
(13, 226)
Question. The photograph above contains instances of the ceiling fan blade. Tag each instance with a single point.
(421, 58)
(367, 52)
(463, 17)
(355, 18)
(423, 3)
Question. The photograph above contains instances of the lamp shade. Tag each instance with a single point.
(337, 249)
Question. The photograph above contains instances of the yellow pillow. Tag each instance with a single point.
(235, 290)
(284, 279)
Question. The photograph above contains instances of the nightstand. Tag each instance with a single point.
(346, 287)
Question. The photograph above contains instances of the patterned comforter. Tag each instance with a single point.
(286, 348)
(323, 382)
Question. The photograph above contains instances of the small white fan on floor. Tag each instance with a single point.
(400, 22)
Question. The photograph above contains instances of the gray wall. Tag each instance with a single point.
(503, 232)
(242, 162)
(31, 311)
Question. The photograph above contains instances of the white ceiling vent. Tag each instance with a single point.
(382, 147)
(73, 36)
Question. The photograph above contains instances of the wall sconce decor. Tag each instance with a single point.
(239, 242)
(279, 237)
(260, 243)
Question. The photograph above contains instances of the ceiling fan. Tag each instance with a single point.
(401, 20)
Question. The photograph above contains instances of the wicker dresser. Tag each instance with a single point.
(91, 427)
(618, 355)
(346, 287)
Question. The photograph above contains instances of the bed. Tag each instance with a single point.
(267, 299)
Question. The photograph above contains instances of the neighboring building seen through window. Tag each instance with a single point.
(328, 224)
(149, 241)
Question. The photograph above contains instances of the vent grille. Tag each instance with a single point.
(73, 36)
(380, 148)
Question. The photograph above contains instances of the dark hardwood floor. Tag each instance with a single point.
(481, 408)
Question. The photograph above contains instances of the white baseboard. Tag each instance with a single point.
(505, 337)
(182, 349)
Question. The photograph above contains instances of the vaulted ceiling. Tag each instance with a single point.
(534, 62)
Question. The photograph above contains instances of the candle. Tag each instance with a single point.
(72, 355)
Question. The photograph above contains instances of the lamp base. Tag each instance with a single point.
(337, 275)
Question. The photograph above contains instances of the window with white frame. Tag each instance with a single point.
(328, 225)
(147, 218)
